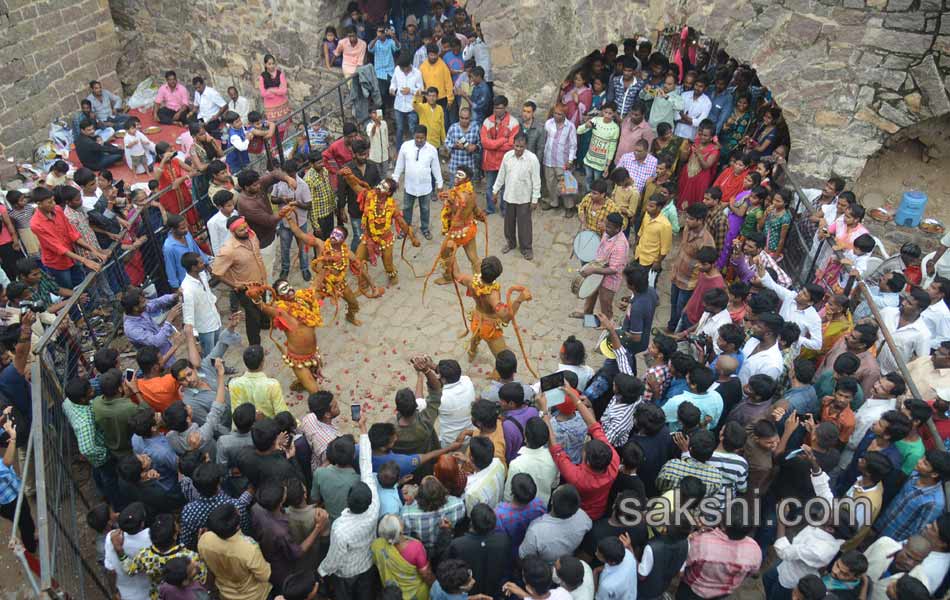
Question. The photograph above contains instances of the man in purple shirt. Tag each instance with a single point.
(640, 163)
(514, 417)
(743, 254)
(139, 322)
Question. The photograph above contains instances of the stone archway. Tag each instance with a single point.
(847, 74)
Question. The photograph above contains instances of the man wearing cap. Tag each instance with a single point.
(610, 261)
(410, 39)
(238, 265)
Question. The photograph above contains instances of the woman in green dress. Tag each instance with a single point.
(735, 127)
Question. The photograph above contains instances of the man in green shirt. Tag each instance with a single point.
(415, 429)
(111, 412)
(912, 447)
(331, 484)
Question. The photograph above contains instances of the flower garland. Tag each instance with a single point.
(483, 289)
(455, 195)
(305, 307)
(337, 265)
(373, 212)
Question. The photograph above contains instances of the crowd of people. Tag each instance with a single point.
(619, 480)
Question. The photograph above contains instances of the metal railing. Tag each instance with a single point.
(92, 319)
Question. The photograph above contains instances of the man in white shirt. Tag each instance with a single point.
(218, 232)
(126, 541)
(458, 394)
(715, 315)
(520, 175)
(799, 308)
(198, 302)
(762, 354)
(209, 105)
(419, 160)
(405, 84)
(696, 107)
(487, 484)
(534, 459)
(908, 330)
(937, 315)
(238, 104)
(883, 397)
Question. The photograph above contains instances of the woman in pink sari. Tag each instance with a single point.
(845, 232)
(272, 85)
(702, 159)
(577, 99)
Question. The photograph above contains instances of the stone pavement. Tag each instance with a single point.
(369, 363)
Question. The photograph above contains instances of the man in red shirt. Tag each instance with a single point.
(709, 278)
(340, 152)
(595, 475)
(498, 137)
(58, 242)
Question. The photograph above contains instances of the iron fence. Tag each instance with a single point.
(65, 565)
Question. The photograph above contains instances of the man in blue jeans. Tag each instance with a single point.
(419, 161)
(59, 242)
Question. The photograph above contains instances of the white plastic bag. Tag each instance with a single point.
(144, 95)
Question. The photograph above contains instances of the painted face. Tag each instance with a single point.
(337, 236)
(460, 176)
(383, 187)
(284, 289)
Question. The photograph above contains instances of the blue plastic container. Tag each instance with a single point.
(911, 210)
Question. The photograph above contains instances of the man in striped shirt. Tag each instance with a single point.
(560, 149)
(733, 467)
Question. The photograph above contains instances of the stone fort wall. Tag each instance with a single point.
(49, 52)
(849, 73)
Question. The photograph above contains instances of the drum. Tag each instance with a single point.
(585, 246)
(589, 286)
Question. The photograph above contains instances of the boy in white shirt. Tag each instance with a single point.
(218, 232)
(137, 147)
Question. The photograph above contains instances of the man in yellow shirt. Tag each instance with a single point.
(655, 237)
(436, 74)
(256, 388)
(432, 116)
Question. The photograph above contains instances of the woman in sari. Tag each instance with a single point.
(171, 172)
(845, 231)
(273, 88)
(203, 151)
(667, 145)
(732, 180)
(736, 126)
(401, 560)
(577, 98)
(835, 322)
(702, 159)
(778, 220)
(765, 138)
(134, 265)
(738, 207)
(598, 97)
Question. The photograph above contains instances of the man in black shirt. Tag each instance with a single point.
(270, 457)
(368, 172)
(485, 550)
(93, 154)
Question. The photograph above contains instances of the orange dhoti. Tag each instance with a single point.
(487, 328)
(463, 237)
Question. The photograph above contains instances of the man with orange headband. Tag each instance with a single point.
(239, 265)
(490, 314)
(334, 259)
(379, 215)
(459, 216)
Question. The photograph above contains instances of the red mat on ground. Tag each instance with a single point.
(120, 170)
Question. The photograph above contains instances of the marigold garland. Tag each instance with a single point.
(305, 307)
(372, 212)
(334, 280)
(483, 289)
(456, 199)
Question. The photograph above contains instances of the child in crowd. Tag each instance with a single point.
(239, 139)
(302, 518)
(738, 292)
(755, 214)
(910, 256)
(21, 212)
(668, 192)
(102, 520)
(260, 131)
(139, 150)
(57, 174)
(330, 42)
(857, 259)
(301, 148)
(627, 199)
(178, 581)
(453, 581)
(387, 477)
